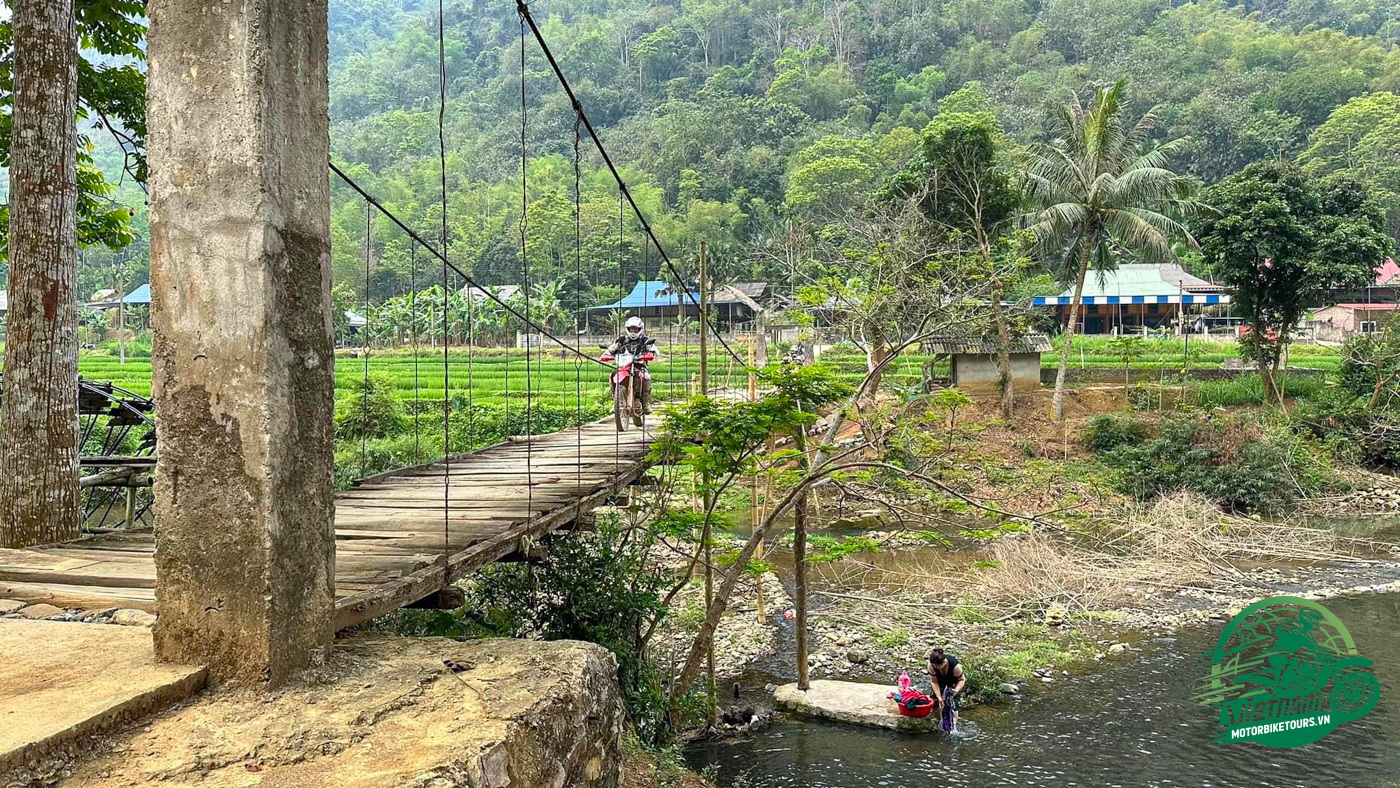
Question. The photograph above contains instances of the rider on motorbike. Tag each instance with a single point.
(634, 340)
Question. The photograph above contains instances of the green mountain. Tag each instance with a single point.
(740, 121)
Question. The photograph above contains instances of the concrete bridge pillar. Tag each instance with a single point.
(240, 277)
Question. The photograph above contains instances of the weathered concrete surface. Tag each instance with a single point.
(240, 282)
(848, 701)
(62, 681)
(387, 713)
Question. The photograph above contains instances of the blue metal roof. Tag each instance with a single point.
(649, 294)
(141, 295)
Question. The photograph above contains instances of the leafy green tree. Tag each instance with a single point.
(1361, 138)
(1101, 190)
(1281, 241)
(962, 177)
(111, 97)
(1126, 349)
(833, 175)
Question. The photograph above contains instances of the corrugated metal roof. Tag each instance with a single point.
(503, 292)
(754, 290)
(1142, 279)
(648, 294)
(141, 295)
(1030, 343)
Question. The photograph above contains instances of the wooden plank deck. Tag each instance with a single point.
(394, 540)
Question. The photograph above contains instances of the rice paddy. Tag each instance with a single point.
(490, 376)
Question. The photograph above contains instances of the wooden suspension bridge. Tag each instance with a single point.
(400, 536)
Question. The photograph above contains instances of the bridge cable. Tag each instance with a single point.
(525, 278)
(622, 329)
(446, 301)
(364, 392)
(413, 339)
(524, 10)
(578, 311)
(393, 217)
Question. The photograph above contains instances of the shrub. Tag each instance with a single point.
(1108, 431)
(368, 410)
(1235, 462)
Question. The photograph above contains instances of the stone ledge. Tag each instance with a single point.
(64, 681)
(427, 713)
(850, 702)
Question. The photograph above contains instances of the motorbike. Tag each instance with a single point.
(626, 387)
(1352, 690)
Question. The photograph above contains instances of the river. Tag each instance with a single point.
(1125, 722)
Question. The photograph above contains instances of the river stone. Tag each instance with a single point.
(1119, 648)
(850, 702)
(131, 617)
(1010, 689)
(856, 657)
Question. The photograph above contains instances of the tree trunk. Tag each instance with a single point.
(1069, 333)
(709, 600)
(1004, 379)
(799, 563)
(39, 414)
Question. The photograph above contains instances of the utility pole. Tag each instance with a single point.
(704, 323)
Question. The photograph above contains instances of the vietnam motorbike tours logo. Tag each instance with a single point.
(1285, 673)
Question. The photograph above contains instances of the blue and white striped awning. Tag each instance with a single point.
(1208, 300)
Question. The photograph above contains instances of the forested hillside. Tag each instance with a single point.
(749, 122)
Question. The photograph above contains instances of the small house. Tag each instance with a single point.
(1137, 296)
(660, 304)
(973, 360)
(1339, 322)
(4, 302)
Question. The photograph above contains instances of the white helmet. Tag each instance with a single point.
(632, 323)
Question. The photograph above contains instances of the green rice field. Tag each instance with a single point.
(483, 372)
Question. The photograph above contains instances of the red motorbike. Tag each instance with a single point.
(626, 387)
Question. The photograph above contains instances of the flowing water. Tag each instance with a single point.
(1128, 723)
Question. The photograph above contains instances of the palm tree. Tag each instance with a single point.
(1102, 189)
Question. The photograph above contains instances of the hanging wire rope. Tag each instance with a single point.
(364, 362)
(446, 361)
(421, 241)
(413, 340)
(578, 311)
(621, 239)
(525, 278)
(523, 9)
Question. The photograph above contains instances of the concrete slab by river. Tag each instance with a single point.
(850, 702)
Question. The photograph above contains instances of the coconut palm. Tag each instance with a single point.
(1102, 189)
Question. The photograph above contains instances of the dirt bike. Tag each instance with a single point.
(1351, 691)
(626, 387)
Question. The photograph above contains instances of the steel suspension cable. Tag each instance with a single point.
(524, 10)
(446, 360)
(364, 362)
(413, 340)
(525, 277)
(391, 216)
(578, 310)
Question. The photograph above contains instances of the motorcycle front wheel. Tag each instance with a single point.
(620, 407)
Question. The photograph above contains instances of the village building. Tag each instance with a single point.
(1340, 322)
(1139, 297)
(973, 360)
(661, 304)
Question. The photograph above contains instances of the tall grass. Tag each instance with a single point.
(1249, 390)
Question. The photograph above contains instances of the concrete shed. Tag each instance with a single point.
(974, 359)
